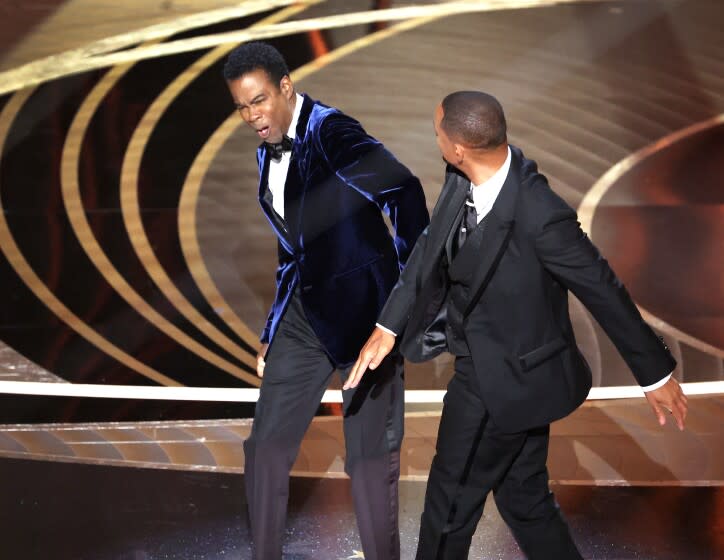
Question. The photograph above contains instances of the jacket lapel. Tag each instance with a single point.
(455, 190)
(265, 199)
(497, 234)
(295, 187)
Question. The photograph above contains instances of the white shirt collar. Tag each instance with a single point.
(485, 194)
(278, 169)
(292, 132)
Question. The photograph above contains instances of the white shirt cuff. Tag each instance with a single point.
(657, 384)
(385, 329)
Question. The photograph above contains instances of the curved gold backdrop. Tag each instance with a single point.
(133, 249)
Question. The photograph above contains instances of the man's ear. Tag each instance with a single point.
(459, 154)
(286, 87)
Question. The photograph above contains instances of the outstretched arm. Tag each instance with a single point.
(570, 256)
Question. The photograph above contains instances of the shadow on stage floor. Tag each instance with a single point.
(89, 512)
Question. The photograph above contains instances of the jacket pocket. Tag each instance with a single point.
(531, 359)
(357, 268)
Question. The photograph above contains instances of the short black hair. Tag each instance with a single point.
(255, 56)
(474, 118)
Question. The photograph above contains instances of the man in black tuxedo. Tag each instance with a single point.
(324, 184)
(488, 281)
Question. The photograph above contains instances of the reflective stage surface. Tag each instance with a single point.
(82, 512)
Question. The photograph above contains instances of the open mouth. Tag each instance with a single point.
(263, 132)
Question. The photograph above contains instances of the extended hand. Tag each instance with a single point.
(671, 398)
(260, 363)
(373, 352)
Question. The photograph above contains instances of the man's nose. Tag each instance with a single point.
(249, 115)
(254, 115)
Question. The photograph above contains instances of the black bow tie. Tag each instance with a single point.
(276, 150)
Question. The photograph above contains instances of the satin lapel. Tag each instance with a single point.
(455, 188)
(498, 229)
(265, 200)
(495, 240)
(295, 187)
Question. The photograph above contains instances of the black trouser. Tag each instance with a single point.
(474, 457)
(296, 375)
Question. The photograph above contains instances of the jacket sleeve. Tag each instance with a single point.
(284, 259)
(264, 338)
(364, 164)
(399, 305)
(398, 308)
(570, 256)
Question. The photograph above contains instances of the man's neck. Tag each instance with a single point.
(292, 108)
(482, 166)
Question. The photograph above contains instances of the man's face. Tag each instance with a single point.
(265, 106)
(446, 145)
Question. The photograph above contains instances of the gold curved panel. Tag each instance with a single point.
(593, 197)
(79, 222)
(38, 71)
(38, 287)
(188, 233)
(21, 77)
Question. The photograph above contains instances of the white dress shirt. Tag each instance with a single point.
(484, 196)
(486, 193)
(278, 169)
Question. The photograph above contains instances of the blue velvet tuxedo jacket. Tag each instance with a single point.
(334, 245)
(517, 323)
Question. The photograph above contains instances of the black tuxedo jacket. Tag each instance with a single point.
(517, 324)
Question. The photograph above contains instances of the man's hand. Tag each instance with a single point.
(669, 397)
(374, 351)
(260, 363)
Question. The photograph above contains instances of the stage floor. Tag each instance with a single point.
(91, 512)
(158, 490)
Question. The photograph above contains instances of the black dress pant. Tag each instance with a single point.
(296, 375)
(473, 457)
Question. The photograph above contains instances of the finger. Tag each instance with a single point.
(680, 401)
(661, 417)
(353, 380)
(679, 417)
(682, 412)
(361, 370)
(260, 363)
(351, 376)
(376, 360)
(380, 355)
(357, 372)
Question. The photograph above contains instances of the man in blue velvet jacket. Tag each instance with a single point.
(324, 183)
